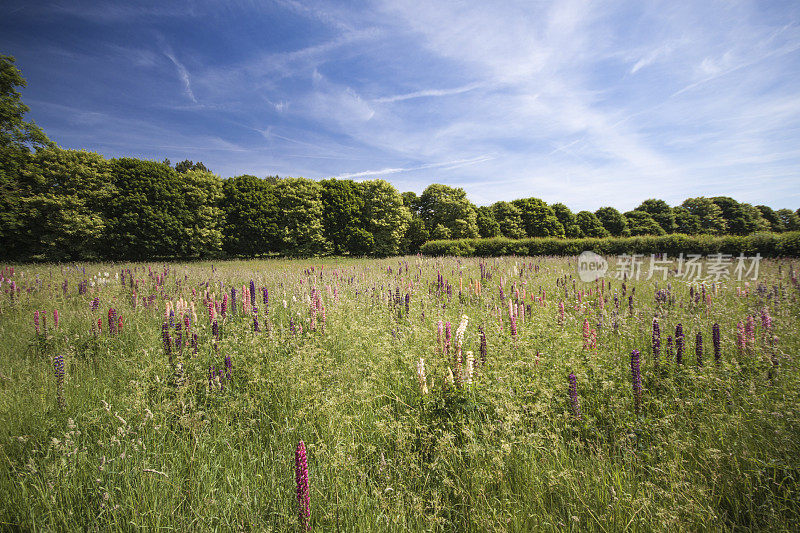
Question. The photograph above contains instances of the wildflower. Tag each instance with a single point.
(656, 342)
(698, 348)
(112, 321)
(470, 368)
(36, 322)
(636, 376)
(55, 317)
(303, 495)
(679, 344)
(573, 396)
(423, 385)
(715, 337)
(483, 345)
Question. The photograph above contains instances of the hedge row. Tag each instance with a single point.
(767, 244)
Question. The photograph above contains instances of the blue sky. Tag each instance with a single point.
(590, 103)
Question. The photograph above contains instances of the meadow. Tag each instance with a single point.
(430, 394)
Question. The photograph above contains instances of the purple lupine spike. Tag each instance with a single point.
(252, 291)
(679, 344)
(112, 321)
(194, 343)
(698, 348)
(36, 322)
(58, 366)
(715, 336)
(228, 368)
(636, 378)
(265, 296)
(483, 349)
(215, 330)
(656, 342)
(303, 494)
(573, 396)
(233, 301)
(165, 338)
(171, 318)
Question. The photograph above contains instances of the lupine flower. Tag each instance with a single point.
(55, 318)
(215, 330)
(561, 312)
(470, 363)
(224, 307)
(636, 376)
(514, 327)
(750, 330)
(252, 292)
(423, 384)
(112, 321)
(741, 338)
(766, 320)
(166, 340)
(656, 342)
(679, 344)
(119, 324)
(228, 368)
(573, 396)
(233, 301)
(256, 326)
(587, 333)
(265, 296)
(715, 337)
(303, 494)
(36, 322)
(698, 348)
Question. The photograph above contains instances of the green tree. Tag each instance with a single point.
(17, 138)
(614, 221)
(590, 225)
(342, 203)
(775, 222)
(416, 235)
(300, 213)
(202, 217)
(790, 219)
(686, 222)
(411, 201)
(450, 208)
(641, 223)
(739, 218)
(65, 195)
(251, 216)
(756, 222)
(538, 219)
(567, 219)
(487, 225)
(186, 165)
(509, 219)
(385, 216)
(708, 213)
(661, 213)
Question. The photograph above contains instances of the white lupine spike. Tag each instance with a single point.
(423, 383)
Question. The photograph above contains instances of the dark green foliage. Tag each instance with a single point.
(385, 216)
(790, 219)
(186, 165)
(538, 219)
(487, 224)
(299, 218)
(708, 213)
(740, 219)
(767, 244)
(661, 213)
(416, 235)
(156, 212)
(251, 218)
(342, 205)
(590, 225)
(15, 132)
(641, 223)
(775, 222)
(567, 219)
(440, 205)
(509, 219)
(686, 222)
(614, 221)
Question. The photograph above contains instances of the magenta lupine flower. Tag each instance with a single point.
(636, 376)
(656, 342)
(698, 348)
(741, 338)
(587, 334)
(36, 322)
(224, 307)
(514, 327)
(303, 494)
(573, 396)
(119, 324)
(750, 330)
(55, 318)
(766, 320)
(715, 338)
(679, 344)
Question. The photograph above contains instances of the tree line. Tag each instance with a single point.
(59, 204)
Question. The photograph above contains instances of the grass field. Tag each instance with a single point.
(138, 434)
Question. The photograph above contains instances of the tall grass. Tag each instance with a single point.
(713, 447)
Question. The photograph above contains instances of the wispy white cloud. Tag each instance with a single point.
(182, 72)
(428, 93)
(397, 170)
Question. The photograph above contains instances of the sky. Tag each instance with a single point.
(589, 103)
